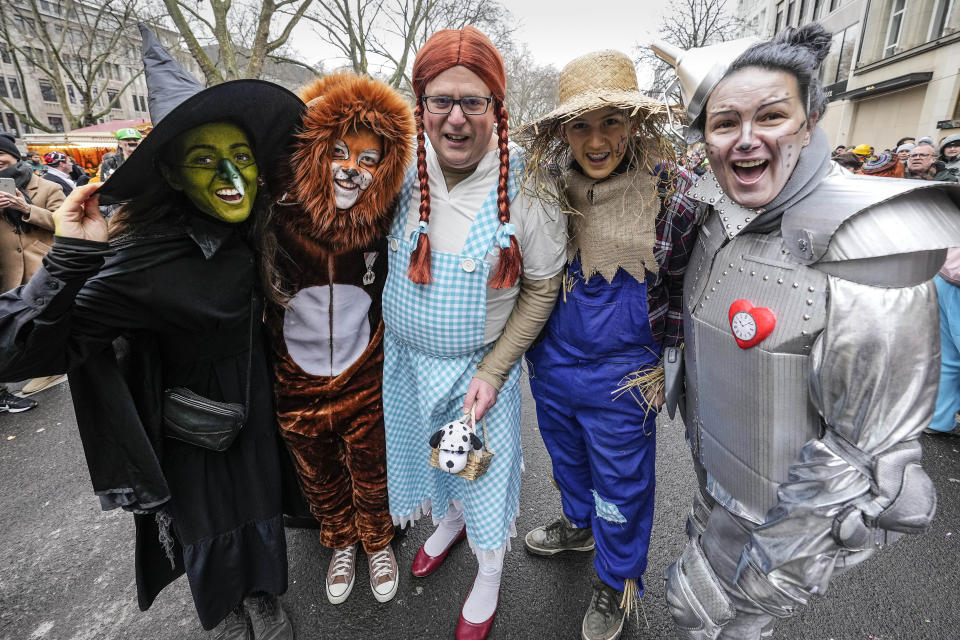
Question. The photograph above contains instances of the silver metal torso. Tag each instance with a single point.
(748, 409)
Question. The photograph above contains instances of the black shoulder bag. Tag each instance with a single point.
(194, 419)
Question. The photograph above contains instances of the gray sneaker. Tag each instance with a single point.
(558, 536)
(604, 617)
(234, 627)
(267, 617)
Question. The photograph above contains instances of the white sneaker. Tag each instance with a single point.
(341, 574)
(384, 576)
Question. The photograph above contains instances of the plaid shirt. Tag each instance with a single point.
(676, 235)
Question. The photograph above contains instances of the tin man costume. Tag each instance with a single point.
(811, 365)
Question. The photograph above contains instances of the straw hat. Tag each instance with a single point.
(596, 80)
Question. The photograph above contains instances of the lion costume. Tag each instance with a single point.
(327, 340)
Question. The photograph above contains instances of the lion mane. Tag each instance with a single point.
(338, 103)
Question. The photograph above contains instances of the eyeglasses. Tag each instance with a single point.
(470, 105)
(920, 155)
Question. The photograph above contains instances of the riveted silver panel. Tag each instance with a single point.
(751, 413)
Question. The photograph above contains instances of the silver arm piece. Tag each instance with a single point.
(874, 373)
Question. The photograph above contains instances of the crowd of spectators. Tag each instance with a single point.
(916, 158)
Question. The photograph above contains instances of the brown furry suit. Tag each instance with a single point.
(327, 340)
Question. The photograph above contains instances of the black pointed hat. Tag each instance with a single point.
(268, 113)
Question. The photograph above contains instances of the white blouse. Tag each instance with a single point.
(540, 229)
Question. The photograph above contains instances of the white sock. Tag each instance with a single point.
(445, 532)
(482, 601)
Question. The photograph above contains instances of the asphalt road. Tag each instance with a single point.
(66, 569)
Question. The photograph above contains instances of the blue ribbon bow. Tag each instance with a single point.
(504, 231)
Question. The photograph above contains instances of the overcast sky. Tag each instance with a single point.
(560, 30)
(556, 30)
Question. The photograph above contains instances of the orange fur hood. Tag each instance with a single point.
(335, 104)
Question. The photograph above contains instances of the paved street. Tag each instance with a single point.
(66, 569)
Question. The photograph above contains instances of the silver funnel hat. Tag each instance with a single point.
(700, 69)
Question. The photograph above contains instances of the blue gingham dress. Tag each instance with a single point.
(433, 342)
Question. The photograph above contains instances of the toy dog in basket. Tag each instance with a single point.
(457, 449)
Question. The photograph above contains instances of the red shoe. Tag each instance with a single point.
(424, 564)
(467, 630)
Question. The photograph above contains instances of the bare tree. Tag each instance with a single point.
(381, 37)
(531, 87)
(74, 55)
(245, 33)
(691, 23)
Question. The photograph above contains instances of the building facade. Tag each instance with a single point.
(893, 70)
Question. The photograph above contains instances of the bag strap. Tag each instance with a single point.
(253, 316)
(473, 424)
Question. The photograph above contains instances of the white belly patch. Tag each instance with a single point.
(321, 347)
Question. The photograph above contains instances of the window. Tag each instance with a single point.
(46, 91)
(779, 23)
(71, 95)
(112, 98)
(939, 19)
(14, 88)
(833, 5)
(893, 27)
(801, 16)
(143, 103)
(5, 53)
(789, 22)
(56, 123)
(817, 9)
(836, 66)
(12, 125)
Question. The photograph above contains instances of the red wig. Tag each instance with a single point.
(469, 48)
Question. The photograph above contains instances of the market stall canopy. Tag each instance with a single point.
(141, 124)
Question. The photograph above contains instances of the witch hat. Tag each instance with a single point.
(178, 103)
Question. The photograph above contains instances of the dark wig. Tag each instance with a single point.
(799, 52)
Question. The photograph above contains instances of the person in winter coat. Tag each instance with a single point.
(26, 235)
(950, 153)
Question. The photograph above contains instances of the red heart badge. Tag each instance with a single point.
(750, 325)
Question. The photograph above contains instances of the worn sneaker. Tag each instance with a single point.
(384, 578)
(234, 627)
(13, 404)
(558, 536)
(267, 618)
(39, 384)
(604, 617)
(341, 574)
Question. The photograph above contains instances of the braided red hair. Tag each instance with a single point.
(469, 48)
(419, 269)
(511, 262)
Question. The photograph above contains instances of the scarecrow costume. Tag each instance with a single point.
(181, 288)
(810, 368)
(328, 336)
(620, 304)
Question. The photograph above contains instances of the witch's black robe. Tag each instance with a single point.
(180, 293)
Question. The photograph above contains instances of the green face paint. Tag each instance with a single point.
(214, 166)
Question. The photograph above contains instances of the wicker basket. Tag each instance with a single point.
(477, 463)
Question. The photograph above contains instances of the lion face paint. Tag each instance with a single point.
(356, 157)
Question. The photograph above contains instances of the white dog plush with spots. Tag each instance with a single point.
(455, 440)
